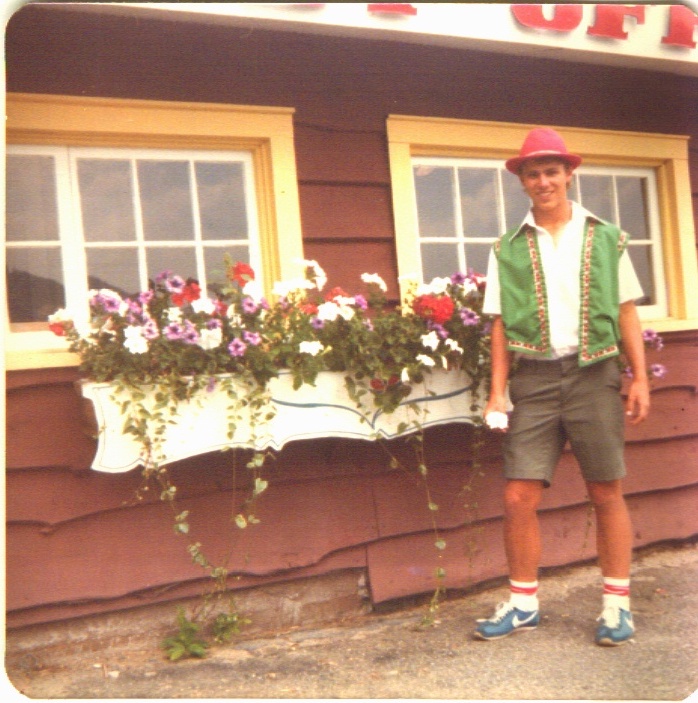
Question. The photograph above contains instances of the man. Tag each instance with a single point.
(562, 289)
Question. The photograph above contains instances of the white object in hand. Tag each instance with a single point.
(497, 420)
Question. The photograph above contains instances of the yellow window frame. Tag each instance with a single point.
(410, 136)
(265, 132)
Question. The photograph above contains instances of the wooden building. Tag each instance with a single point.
(338, 118)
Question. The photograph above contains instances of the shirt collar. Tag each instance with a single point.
(579, 215)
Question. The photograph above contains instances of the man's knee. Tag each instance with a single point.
(605, 493)
(522, 496)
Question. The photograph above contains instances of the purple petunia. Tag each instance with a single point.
(658, 370)
(174, 331)
(316, 323)
(150, 329)
(360, 302)
(190, 334)
(458, 278)
(249, 306)
(469, 317)
(253, 338)
(237, 347)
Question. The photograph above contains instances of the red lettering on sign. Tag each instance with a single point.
(682, 23)
(565, 17)
(610, 18)
(395, 8)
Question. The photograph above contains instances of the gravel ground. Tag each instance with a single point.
(390, 656)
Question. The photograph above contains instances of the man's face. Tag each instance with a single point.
(545, 182)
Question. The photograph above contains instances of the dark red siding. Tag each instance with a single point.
(78, 543)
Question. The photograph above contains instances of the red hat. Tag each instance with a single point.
(541, 142)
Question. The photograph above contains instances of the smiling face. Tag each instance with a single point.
(546, 181)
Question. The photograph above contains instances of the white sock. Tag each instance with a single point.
(616, 592)
(524, 595)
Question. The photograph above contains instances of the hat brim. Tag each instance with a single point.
(513, 165)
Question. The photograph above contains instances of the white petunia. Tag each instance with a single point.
(374, 278)
(205, 305)
(405, 375)
(431, 340)
(210, 339)
(134, 340)
(254, 290)
(453, 345)
(173, 314)
(312, 348)
(328, 312)
(285, 288)
(426, 360)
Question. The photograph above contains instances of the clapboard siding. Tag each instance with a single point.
(79, 543)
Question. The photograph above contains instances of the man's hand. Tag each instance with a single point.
(497, 407)
(637, 407)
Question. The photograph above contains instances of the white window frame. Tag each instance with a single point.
(266, 133)
(73, 244)
(658, 310)
(666, 155)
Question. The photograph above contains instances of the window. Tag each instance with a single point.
(452, 197)
(109, 193)
(463, 205)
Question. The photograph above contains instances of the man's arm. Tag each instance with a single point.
(638, 403)
(501, 363)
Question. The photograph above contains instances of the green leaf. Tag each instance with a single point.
(241, 521)
(440, 544)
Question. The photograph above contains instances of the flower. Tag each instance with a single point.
(237, 347)
(312, 348)
(375, 279)
(172, 331)
(134, 340)
(437, 308)
(658, 370)
(242, 273)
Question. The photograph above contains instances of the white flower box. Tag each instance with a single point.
(200, 425)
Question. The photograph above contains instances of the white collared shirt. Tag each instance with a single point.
(561, 268)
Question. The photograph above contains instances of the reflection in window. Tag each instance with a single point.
(457, 226)
(80, 218)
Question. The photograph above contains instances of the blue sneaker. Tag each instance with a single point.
(506, 620)
(615, 627)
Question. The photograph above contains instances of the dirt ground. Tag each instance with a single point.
(389, 656)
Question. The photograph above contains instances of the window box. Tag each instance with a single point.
(326, 409)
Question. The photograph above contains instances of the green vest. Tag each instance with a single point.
(524, 299)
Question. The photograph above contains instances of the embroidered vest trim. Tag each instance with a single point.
(524, 296)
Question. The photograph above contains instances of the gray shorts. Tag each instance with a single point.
(557, 401)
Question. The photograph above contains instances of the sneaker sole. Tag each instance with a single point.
(523, 628)
(606, 642)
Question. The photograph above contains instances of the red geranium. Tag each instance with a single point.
(241, 273)
(438, 309)
(336, 292)
(190, 293)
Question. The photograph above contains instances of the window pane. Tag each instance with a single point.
(106, 200)
(116, 269)
(478, 193)
(476, 256)
(165, 200)
(439, 260)
(180, 261)
(31, 213)
(641, 256)
(597, 195)
(222, 206)
(34, 283)
(632, 206)
(516, 202)
(435, 201)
